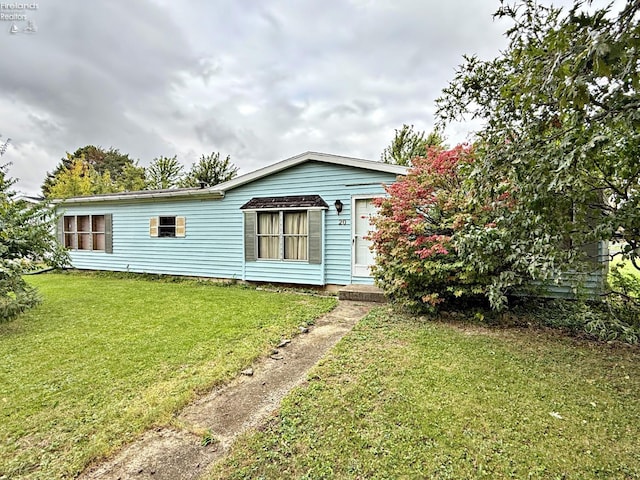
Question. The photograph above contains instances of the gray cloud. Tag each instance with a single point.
(260, 81)
(83, 78)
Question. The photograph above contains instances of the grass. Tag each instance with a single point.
(628, 268)
(404, 398)
(104, 358)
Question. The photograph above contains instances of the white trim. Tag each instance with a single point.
(281, 237)
(142, 195)
(354, 270)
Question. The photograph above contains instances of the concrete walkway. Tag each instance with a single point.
(176, 453)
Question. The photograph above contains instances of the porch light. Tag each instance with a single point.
(338, 205)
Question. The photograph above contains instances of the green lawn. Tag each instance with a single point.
(626, 267)
(103, 358)
(405, 398)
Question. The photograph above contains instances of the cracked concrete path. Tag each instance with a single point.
(176, 453)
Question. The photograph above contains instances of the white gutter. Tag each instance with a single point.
(141, 196)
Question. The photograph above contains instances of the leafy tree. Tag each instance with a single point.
(210, 170)
(164, 172)
(123, 172)
(26, 236)
(102, 161)
(133, 178)
(561, 112)
(79, 179)
(408, 144)
(435, 139)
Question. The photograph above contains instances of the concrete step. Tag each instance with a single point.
(362, 293)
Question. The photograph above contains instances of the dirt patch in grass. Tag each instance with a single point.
(203, 432)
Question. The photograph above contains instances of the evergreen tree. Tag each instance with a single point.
(26, 237)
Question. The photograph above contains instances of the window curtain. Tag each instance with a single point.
(268, 239)
(295, 236)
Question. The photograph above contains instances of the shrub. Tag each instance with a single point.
(607, 319)
(16, 295)
(417, 260)
(26, 236)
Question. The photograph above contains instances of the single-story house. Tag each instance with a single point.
(303, 220)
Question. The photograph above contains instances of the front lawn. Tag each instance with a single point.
(104, 358)
(401, 397)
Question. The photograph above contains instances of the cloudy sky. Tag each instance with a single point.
(258, 80)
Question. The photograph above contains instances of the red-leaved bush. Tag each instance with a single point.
(418, 263)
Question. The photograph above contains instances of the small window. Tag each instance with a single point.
(85, 232)
(167, 227)
(98, 232)
(70, 232)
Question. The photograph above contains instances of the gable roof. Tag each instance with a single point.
(218, 191)
(306, 157)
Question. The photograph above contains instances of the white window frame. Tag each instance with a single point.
(281, 235)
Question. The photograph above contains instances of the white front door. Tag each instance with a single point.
(362, 257)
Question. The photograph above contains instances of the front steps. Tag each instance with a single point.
(362, 293)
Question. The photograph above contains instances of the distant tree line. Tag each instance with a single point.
(92, 170)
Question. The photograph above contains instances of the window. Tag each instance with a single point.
(86, 232)
(295, 235)
(268, 235)
(282, 235)
(284, 228)
(167, 226)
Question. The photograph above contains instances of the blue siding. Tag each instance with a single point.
(594, 282)
(331, 182)
(213, 246)
(134, 250)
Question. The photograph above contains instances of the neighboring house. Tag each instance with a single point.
(303, 220)
(28, 199)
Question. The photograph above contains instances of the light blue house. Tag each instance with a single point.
(300, 221)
